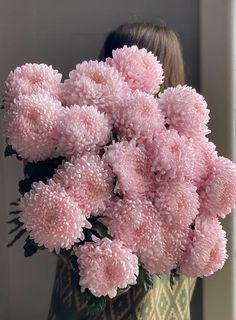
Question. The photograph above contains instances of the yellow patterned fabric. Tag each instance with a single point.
(160, 303)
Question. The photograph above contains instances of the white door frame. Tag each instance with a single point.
(218, 85)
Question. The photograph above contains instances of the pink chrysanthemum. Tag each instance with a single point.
(138, 117)
(52, 217)
(177, 202)
(105, 266)
(131, 166)
(31, 126)
(219, 194)
(155, 260)
(205, 157)
(88, 181)
(83, 129)
(162, 259)
(185, 110)
(207, 250)
(95, 83)
(172, 156)
(134, 222)
(32, 79)
(140, 68)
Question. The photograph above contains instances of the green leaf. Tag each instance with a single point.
(115, 188)
(96, 305)
(15, 229)
(15, 221)
(9, 151)
(161, 90)
(114, 136)
(42, 170)
(121, 291)
(98, 229)
(15, 203)
(115, 185)
(173, 278)
(14, 212)
(25, 185)
(30, 247)
(17, 236)
(145, 278)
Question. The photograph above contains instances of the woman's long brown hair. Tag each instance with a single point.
(160, 40)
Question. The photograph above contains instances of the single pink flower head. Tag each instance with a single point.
(154, 259)
(132, 169)
(134, 222)
(140, 68)
(158, 244)
(172, 156)
(94, 83)
(207, 249)
(185, 111)
(83, 129)
(138, 117)
(177, 203)
(52, 217)
(32, 79)
(88, 181)
(162, 258)
(219, 194)
(105, 266)
(205, 157)
(31, 126)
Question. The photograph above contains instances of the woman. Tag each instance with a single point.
(160, 40)
(162, 302)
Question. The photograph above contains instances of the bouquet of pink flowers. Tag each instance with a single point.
(119, 174)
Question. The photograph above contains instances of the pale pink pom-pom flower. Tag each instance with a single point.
(131, 166)
(88, 181)
(134, 222)
(176, 239)
(177, 202)
(205, 157)
(172, 156)
(185, 110)
(83, 129)
(52, 217)
(31, 126)
(32, 79)
(138, 116)
(105, 266)
(218, 196)
(206, 252)
(140, 68)
(138, 225)
(155, 260)
(162, 259)
(94, 83)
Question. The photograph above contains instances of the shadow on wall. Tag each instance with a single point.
(196, 303)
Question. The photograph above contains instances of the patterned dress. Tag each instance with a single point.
(160, 303)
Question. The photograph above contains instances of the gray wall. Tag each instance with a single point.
(63, 33)
(218, 84)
